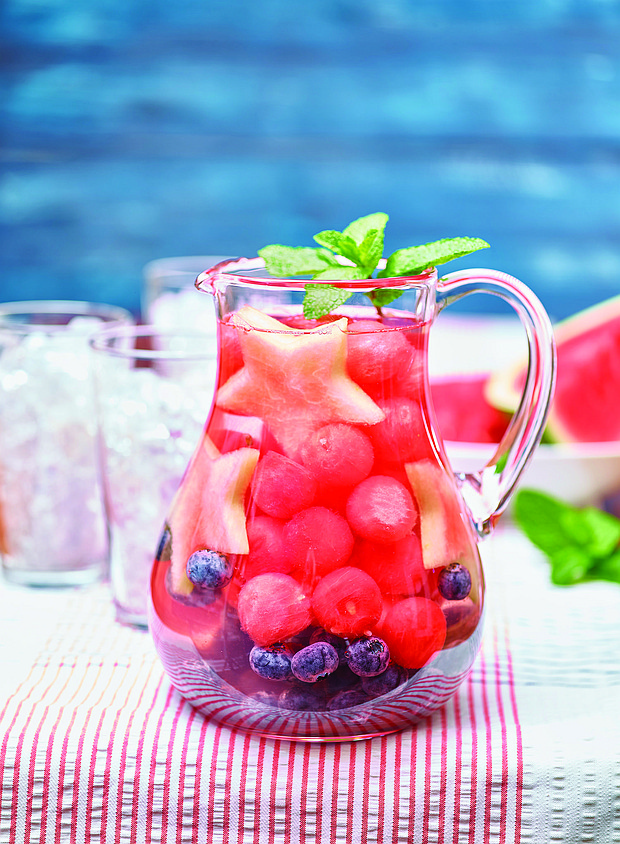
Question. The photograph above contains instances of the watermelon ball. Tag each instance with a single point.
(380, 508)
(414, 629)
(396, 567)
(272, 663)
(368, 657)
(347, 602)
(375, 353)
(267, 551)
(402, 436)
(454, 582)
(338, 454)
(272, 607)
(210, 569)
(281, 487)
(317, 541)
(387, 681)
(314, 662)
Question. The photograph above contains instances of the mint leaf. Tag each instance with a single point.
(358, 229)
(540, 517)
(383, 296)
(608, 569)
(371, 249)
(416, 259)
(581, 543)
(294, 260)
(321, 299)
(360, 243)
(604, 531)
(339, 243)
(569, 566)
(339, 272)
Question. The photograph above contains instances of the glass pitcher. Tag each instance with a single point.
(318, 575)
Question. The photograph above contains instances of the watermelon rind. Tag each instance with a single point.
(503, 387)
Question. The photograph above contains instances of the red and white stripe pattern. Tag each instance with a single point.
(96, 746)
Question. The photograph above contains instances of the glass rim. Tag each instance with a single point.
(181, 265)
(233, 271)
(10, 313)
(100, 342)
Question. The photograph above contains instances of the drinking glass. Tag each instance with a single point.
(169, 298)
(154, 389)
(51, 510)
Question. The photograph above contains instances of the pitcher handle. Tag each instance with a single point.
(488, 491)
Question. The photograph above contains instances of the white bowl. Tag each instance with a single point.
(580, 474)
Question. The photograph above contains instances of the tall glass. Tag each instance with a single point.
(51, 506)
(154, 389)
(169, 298)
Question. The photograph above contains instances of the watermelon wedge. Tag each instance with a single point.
(208, 511)
(442, 531)
(586, 405)
(463, 413)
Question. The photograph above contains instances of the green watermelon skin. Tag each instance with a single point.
(586, 404)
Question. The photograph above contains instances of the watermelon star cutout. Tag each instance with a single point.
(295, 381)
(208, 511)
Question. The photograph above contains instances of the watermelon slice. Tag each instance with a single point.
(443, 534)
(208, 511)
(463, 412)
(295, 382)
(585, 405)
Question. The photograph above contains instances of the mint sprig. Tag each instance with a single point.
(354, 254)
(580, 543)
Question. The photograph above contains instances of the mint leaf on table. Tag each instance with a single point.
(569, 565)
(416, 259)
(540, 518)
(360, 244)
(607, 569)
(580, 543)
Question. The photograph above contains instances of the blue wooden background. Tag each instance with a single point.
(139, 129)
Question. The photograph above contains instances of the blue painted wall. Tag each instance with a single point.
(134, 130)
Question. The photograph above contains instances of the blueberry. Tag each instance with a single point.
(198, 597)
(305, 700)
(383, 683)
(343, 678)
(343, 700)
(454, 582)
(314, 662)
(208, 568)
(321, 635)
(368, 657)
(272, 663)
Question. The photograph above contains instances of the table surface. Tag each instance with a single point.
(96, 746)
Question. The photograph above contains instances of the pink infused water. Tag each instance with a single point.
(318, 566)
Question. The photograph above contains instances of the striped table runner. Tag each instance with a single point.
(95, 745)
